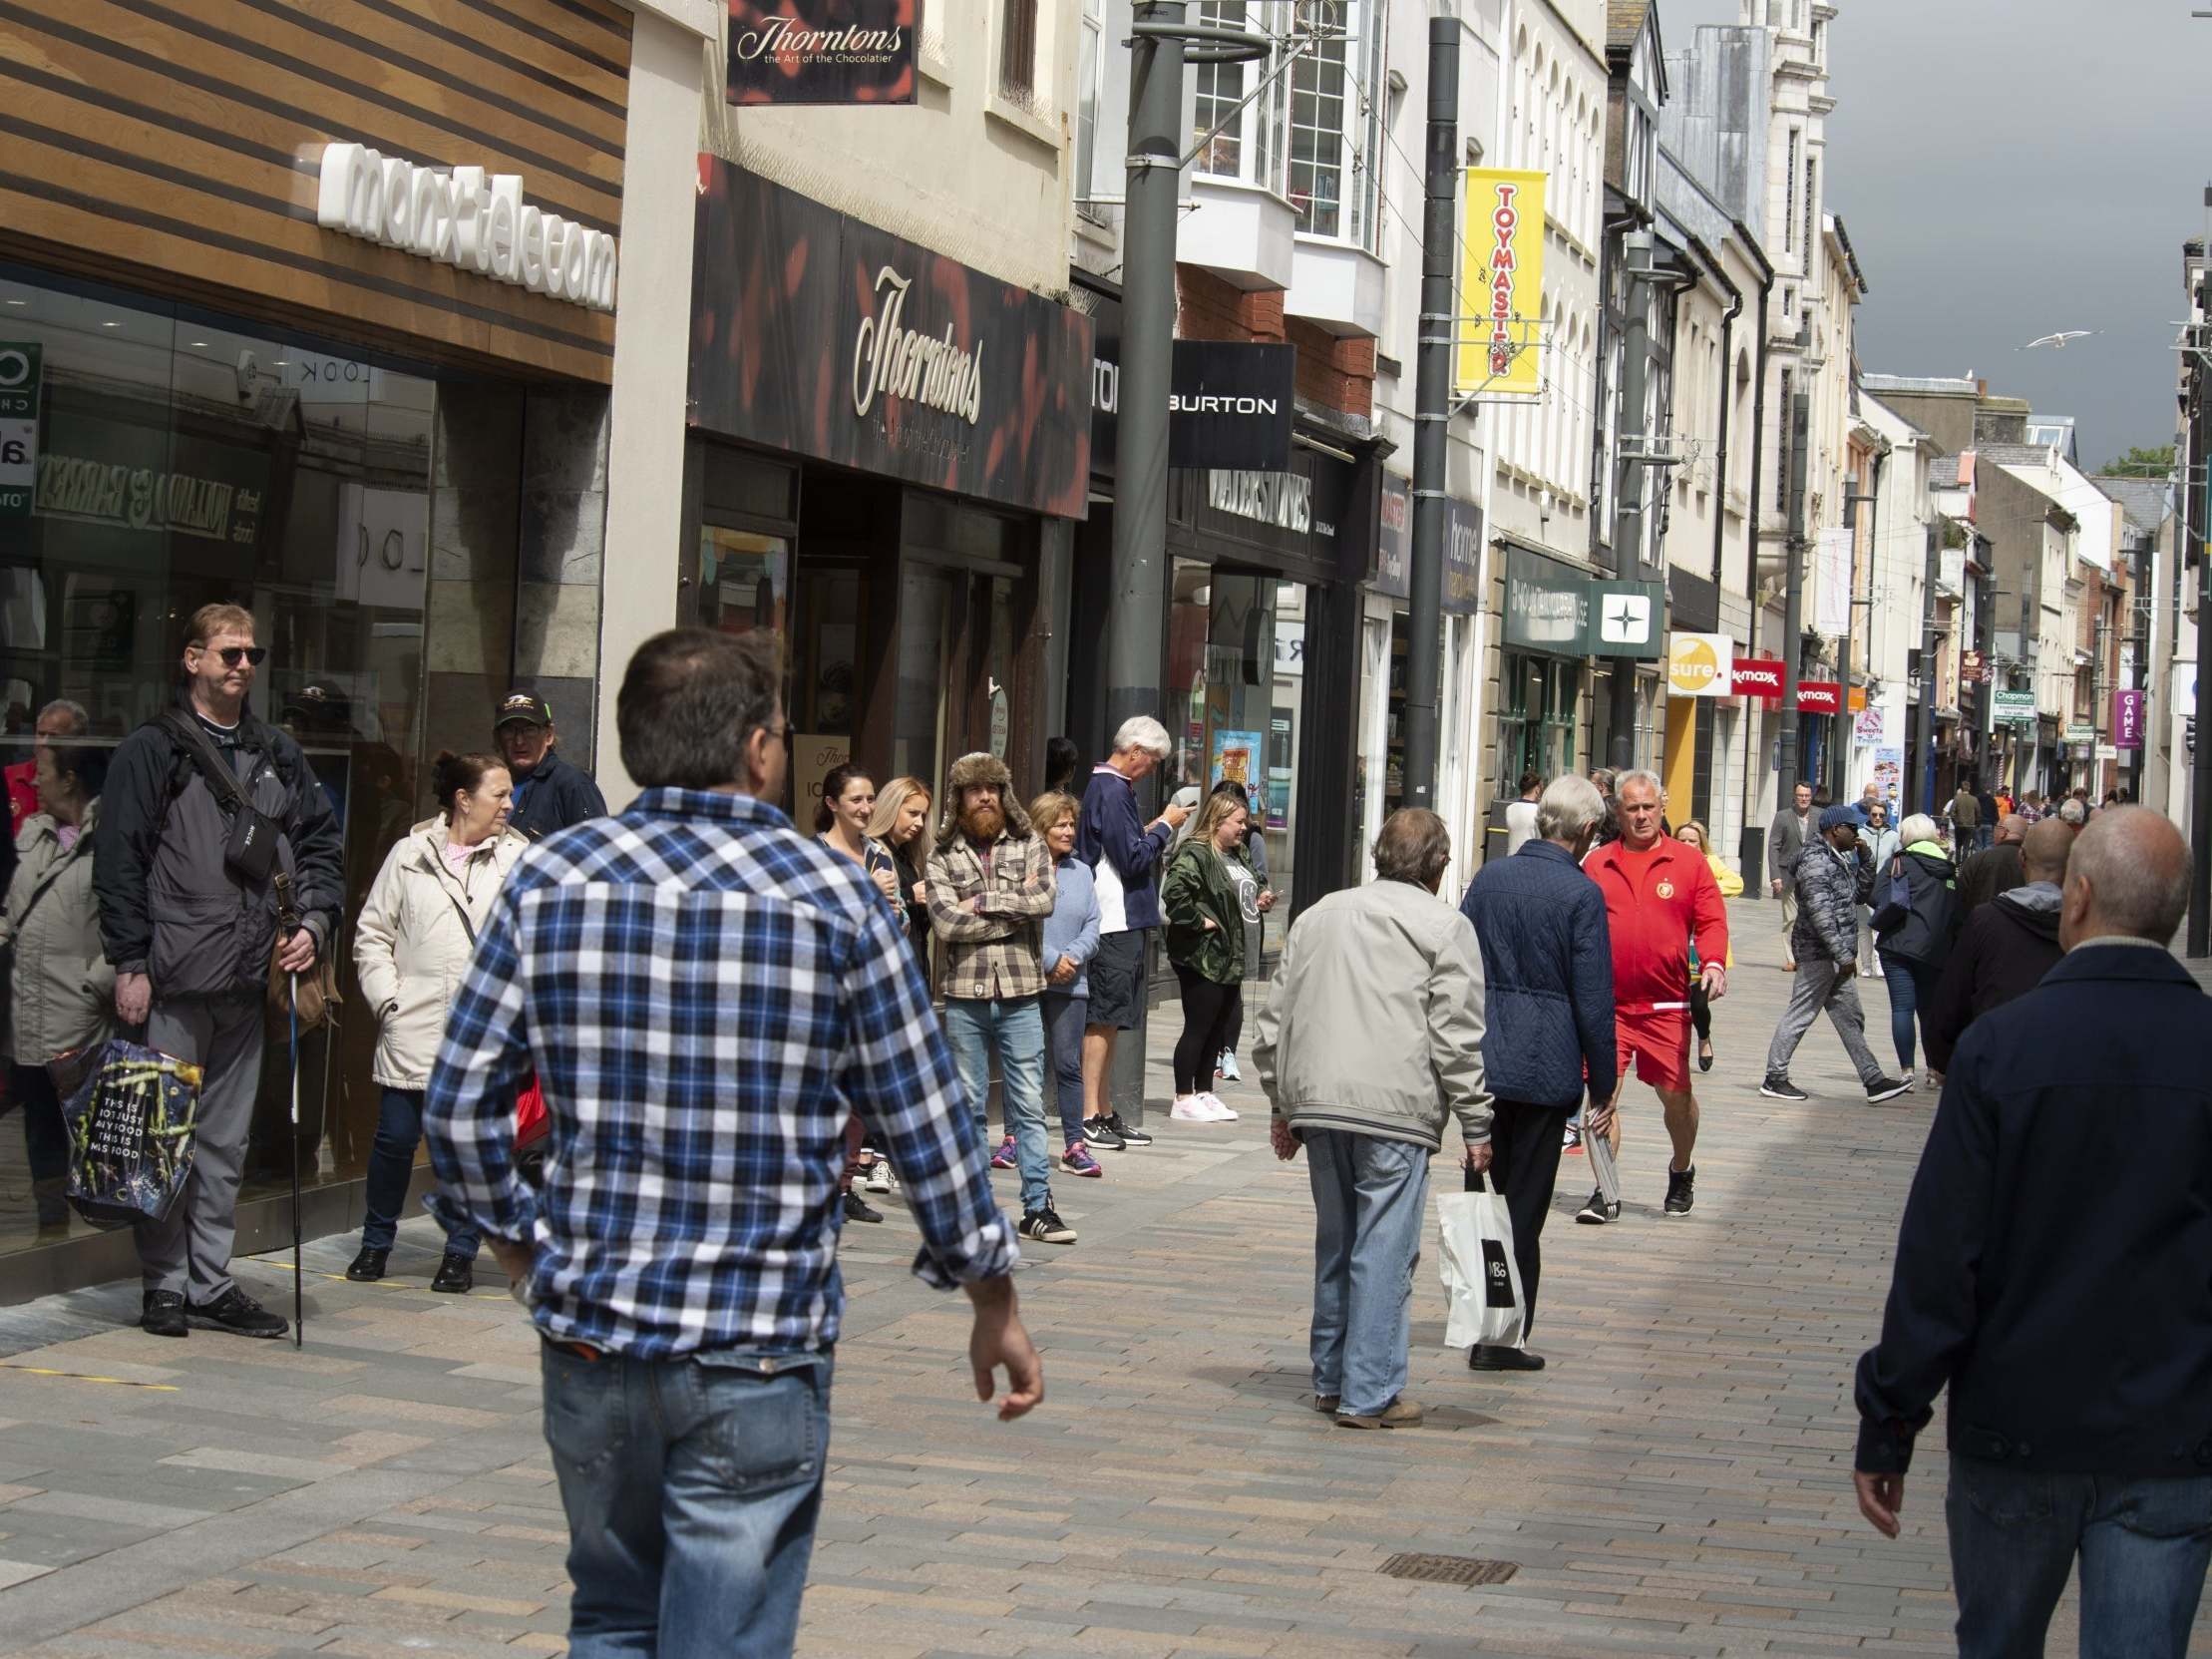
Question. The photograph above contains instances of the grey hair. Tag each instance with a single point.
(1640, 774)
(1414, 846)
(1917, 826)
(1569, 805)
(73, 709)
(2073, 812)
(2137, 869)
(690, 701)
(1141, 733)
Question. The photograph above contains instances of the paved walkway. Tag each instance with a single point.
(1676, 1483)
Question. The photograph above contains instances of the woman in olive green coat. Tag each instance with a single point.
(1210, 893)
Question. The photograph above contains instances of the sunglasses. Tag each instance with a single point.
(233, 656)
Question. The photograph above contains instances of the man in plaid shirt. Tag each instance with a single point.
(991, 885)
(704, 994)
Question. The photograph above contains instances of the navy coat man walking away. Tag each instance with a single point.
(1547, 965)
(2055, 1269)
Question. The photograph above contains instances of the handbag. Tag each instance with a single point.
(1893, 898)
(132, 1123)
(1481, 1279)
(313, 995)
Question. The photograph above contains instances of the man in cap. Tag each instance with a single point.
(549, 794)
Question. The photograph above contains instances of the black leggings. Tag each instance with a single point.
(1207, 1009)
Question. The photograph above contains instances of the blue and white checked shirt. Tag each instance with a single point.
(705, 993)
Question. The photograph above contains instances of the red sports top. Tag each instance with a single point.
(1654, 902)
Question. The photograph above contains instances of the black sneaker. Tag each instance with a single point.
(1782, 1088)
(1887, 1088)
(238, 1314)
(368, 1267)
(1100, 1133)
(1598, 1212)
(456, 1275)
(1485, 1358)
(164, 1315)
(1124, 1133)
(1682, 1191)
(858, 1208)
(1046, 1227)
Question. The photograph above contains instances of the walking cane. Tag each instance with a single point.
(299, 1306)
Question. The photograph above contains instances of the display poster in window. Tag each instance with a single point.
(21, 374)
(1888, 777)
(814, 756)
(1280, 750)
(1237, 757)
(1501, 285)
(821, 52)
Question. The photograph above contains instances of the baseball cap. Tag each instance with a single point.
(1838, 816)
(527, 708)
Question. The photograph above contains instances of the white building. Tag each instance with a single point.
(1894, 538)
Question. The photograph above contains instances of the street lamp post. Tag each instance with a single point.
(1841, 787)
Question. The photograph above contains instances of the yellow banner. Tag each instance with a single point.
(1501, 285)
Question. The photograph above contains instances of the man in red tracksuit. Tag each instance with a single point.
(1659, 895)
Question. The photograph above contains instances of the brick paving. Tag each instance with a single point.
(1675, 1484)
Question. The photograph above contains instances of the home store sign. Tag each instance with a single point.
(466, 218)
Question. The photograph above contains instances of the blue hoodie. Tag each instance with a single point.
(1072, 928)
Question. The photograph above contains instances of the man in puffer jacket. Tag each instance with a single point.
(1831, 885)
(2006, 946)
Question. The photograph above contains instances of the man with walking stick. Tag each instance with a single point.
(208, 810)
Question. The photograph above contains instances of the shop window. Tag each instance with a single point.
(162, 459)
(1017, 50)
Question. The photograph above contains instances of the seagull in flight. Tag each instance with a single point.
(2057, 342)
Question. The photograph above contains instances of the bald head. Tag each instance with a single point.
(2043, 850)
(2011, 827)
(2129, 874)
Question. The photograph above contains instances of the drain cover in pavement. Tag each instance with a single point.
(1450, 1569)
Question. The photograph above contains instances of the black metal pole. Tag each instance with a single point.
(1924, 711)
(1793, 603)
(2200, 810)
(1628, 540)
(1432, 416)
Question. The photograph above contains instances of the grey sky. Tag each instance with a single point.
(2011, 167)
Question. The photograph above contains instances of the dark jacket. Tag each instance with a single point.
(1112, 839)
(1202, 884)
(1988, 873)
(2002, 952)
(2055, 1266)
(911, 875)
(170, 906)
(1547, 965)
(1830, 888)
(1786, 839)
(554, 796)
(1932, 921)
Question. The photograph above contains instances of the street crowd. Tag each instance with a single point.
(659, 1058)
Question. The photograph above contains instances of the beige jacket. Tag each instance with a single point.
(411, 949)
(1374, 1021)
(62, 992)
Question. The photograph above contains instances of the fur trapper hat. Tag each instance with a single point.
(981, 769)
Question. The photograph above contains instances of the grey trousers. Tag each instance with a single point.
(189, 1249)
(1819, 986)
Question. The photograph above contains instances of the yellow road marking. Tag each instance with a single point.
(85, 1377)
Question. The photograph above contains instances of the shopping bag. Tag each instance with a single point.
(1481, 1279)
(132, 1122)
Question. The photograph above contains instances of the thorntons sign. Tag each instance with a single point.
(895, 362)
(468, 219)
(840, 52)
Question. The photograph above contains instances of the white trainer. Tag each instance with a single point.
(1191, 1108)
(1223, 1112)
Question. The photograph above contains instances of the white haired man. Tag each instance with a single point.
(1125, 853)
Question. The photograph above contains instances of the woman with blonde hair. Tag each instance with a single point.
(1694, 834)
(1209, 894)
(901, 823)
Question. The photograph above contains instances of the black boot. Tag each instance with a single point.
(368, 1267)
(163, 1314)
(456, 1275)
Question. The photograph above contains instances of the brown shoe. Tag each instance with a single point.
(1326, 1403)
(1401, 1412)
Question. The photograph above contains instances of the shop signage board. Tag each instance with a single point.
(820, 335)
(2013, 707)
(2080, 732)
(1393, 577)
(1501, 285)
(1819, 697)
(1547, 605)
(1759, 677)
(1629, 618)
(1700, 665)
(834, 52)
(1231, 404)
(20, 375)
(2127, 718)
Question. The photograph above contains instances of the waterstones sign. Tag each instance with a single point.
(890, 360)
(466, 218)
(837, 52)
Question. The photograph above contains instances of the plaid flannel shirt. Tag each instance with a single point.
(991, 947)
(705, 993)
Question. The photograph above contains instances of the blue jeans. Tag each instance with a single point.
(692, 1487)
(2144, 1545)
(1912, 988)
(1369, 1200)
(399, 1132)
(1063, 1030)
(1013, 1028)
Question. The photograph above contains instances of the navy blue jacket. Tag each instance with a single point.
(1111, 831)
(2055, 1262)
(554, 796)
(1547, 974)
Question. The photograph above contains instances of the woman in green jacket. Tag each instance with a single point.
(1209, 894)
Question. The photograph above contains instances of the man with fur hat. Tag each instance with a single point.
(991, 888)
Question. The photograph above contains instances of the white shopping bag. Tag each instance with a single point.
(1481, 1278)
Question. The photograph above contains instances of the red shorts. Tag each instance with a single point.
(1659, 1044)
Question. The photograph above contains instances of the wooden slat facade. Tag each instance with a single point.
(172, 146)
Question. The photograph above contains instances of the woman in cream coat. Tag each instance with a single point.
(411, 949)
